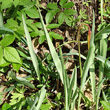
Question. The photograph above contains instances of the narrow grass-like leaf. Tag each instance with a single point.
(101, 6)
(31, 50)
(52, 49)
(103, 52)
(1, 18)
(4, 30)
(106, 30)
(41, 98)
(72, 83)
(92, 77)
(88, 62)
(20, 79)
(103, 60)
(74, 53)
(74, 93)
(66, 82)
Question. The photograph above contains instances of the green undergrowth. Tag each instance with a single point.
(38, 42)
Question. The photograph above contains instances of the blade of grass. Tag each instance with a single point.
(66, 81)
(1, 17)
(73, 88)
(41, 98)
(92, 77)
(20, 79)
(106, 30)
(31, 50)
(72, 82)
(101, 6)
(103, 60)
(52, 48)
(88, 62)
(103, 52)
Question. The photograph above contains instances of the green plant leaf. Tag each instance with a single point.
(16, 66)
(7, 40)
(68, 21)
(70, 12)
(106, 30)
(68, 5)
(12, 24)
(3, 63)
(20, 79)
(6, 4)
(52, 49)
(52, 6)
(4, 30)
(31, 50)
(61, 18)
(50, 15)
(38, 24)
(55, 35)
(32, 13)
(42, 39)
(27, 3)
(89, 61)
(16, 2)
(62, 2)
(52, 26)
(106, 105)
(25, 82)
(41, 98)
(11, 55)
(45, 107)
(6, 106)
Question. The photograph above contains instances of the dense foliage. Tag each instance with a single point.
(54, 54)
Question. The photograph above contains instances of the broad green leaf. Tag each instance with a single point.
(55, 35)
(68, 5)
(16, 66)
(52, 26)
(7, 40)
(70, 12)
(38, 24)
(52, 6)
(6, 106)
(6, 4)
(50, 15)
(42, 39)
(61, 18)
(68, 21)
(3, 63)
(12, 24)
(62, 2)
(106, 105)
(11, 55)
(16, 2)
(32, 13)
(45, 107)
(4, 30)
(27, 3)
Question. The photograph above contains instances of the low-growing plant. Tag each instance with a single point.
(46, 83)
